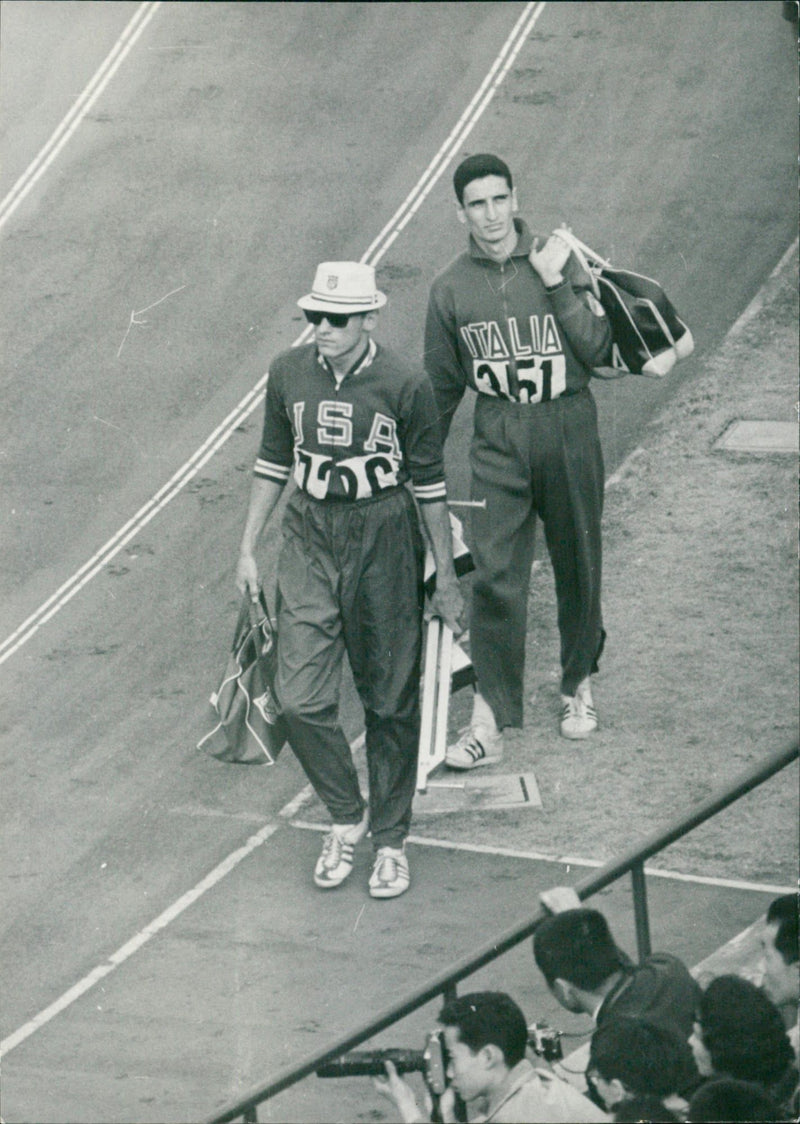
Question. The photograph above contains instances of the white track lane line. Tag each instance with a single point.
(252, 400)
(572, 860)
(467, 121)
(135, 943)
(73, 119)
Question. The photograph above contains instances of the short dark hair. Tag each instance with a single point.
(645, 1056)
(475, 168)
(743, 1031)
(783, 912)
(576, 945)
(488, 1018)
(646, 1106)
(727, 1099)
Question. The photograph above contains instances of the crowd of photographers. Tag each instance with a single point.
(662, 1048)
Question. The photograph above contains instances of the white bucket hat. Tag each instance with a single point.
(344, 286)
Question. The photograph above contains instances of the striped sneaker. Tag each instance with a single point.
(475, 747)
(578, 715)
(336, 859)
(390, 876)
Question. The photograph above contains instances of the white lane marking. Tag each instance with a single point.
(757, 303)
(252, 400)
(572, 860)
(142, 937)
(77, 113)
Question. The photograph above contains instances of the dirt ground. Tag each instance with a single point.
(699, 679)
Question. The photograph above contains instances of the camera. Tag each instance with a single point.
(430, 1062)
(545, 1042)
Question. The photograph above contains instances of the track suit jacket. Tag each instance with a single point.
(350, 567)
(527, 352)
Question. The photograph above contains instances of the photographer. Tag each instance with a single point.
(587, 972)
(485, 1037)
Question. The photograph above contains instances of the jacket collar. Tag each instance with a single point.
(519, 1075)
(521, 250)
(359, 366)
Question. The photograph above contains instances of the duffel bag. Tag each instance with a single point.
(649, 337)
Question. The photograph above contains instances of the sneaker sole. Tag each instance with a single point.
(388, 893)
(330, 885)
(578, 735)
(489, 759)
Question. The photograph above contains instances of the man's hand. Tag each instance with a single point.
(401, 1094)
(247, 576)
(264, 494)
(447, 1106)
(550, 259)
(447, 602)
(559, 898)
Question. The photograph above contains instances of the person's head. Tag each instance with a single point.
(646, 1107)
(780, 959)
(485, 1035)
(724, 1099)
(739, 1033)
(486, 198)
(343, 307)
(632, 1056)
(575, 952)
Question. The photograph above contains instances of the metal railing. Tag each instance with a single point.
(631, 862)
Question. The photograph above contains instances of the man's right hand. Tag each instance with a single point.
(247, 576)
(559, 898)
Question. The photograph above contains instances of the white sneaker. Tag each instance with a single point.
(390, 875)
(477, 746)
(336, 859)
(578, 715)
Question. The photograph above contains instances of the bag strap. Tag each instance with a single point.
(588, 260)
(581, 248)
(252, 614)
(257, 609)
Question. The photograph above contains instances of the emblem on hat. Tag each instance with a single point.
(333, 281)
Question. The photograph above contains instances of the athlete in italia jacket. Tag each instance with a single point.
(353, 439)
(496, 328)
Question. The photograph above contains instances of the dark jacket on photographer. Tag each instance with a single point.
(660, 989)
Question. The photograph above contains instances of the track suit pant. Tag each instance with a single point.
(350, 581)
(526, 461)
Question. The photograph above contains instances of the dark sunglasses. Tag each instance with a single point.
(335, 319)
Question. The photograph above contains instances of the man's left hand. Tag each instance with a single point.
(550, 259)
(395, 1089)
(447, 602)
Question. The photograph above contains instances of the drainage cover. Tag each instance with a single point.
(760, 437)
(459, 793)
